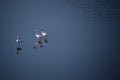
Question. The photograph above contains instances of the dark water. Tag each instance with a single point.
(83, 42)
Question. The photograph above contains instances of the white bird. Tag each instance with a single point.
(44, 34)
(18, 40)
(37, 35)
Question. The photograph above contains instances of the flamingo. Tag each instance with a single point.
(18, 40)
(38, 36)
(44, 34)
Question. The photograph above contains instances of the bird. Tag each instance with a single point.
(18, 40)
(44, 34)
(37, 35)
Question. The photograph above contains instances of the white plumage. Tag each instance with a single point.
(37, 35)
(18, 40)
(44, 34)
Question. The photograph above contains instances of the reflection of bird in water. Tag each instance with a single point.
(44, 41)
(18, 49)
(40, 43)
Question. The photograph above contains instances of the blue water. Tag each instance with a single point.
(83, 42)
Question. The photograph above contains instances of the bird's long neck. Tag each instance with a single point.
(36, 33)
(42, 31)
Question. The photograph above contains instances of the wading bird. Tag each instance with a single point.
(37, 35)
(44, 34)
(18, 41)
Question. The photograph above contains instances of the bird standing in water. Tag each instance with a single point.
(18, 41)
(44, 34)
(37, 35)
